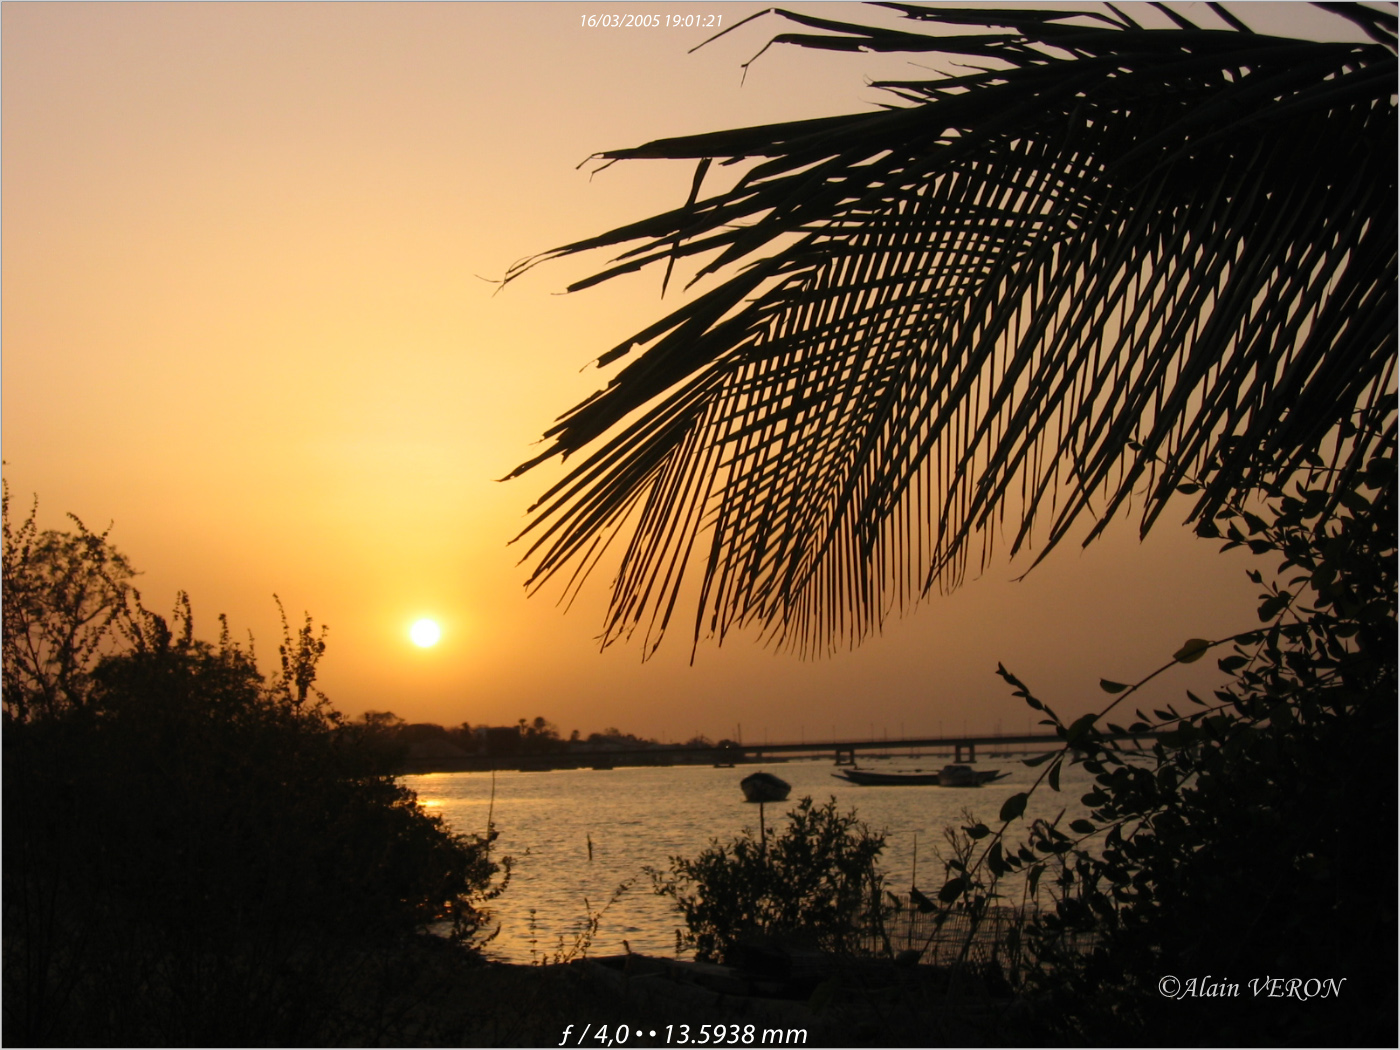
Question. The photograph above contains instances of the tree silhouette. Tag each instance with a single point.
(1104, 260)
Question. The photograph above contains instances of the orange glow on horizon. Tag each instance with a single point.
(250, 319)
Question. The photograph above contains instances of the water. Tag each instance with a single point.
(641, 816)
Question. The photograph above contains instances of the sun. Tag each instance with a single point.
(425, 633)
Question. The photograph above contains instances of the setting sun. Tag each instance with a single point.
(425, 633)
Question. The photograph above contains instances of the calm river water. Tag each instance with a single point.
(642, 816)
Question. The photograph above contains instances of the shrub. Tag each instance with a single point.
(1253, 841)
(817, 879)
(195, 851)
(64, 592)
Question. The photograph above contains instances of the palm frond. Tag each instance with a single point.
(1020, 295)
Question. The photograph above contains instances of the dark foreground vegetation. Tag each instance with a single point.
(1254, 844)
(198, 853)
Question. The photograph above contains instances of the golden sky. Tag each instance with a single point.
(249, 319)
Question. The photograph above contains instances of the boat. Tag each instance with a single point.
(764, 787)
(948, 776)
(966, 776)
(866, 778)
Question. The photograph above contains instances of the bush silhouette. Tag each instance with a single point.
(197, 852)
(816, 880)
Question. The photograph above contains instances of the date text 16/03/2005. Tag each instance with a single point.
(602, 1035)
(639, 21)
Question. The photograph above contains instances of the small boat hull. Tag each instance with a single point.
(764, 787)
(948, 776)
(966, 776)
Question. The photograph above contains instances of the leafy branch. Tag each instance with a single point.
(1314, 684)
(1108, 256)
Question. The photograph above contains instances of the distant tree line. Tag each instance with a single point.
(539, 736)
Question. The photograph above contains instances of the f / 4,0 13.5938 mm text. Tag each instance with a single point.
(601, 1035)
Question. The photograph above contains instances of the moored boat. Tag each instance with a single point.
(948, 776)
(966, 776)
(764, 787)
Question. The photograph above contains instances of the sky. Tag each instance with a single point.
(251, 319)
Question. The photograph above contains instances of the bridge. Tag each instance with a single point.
(844, 751)
(963, 748)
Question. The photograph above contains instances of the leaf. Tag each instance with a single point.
(1111, 687)
(952, 890)
(1040, 313)
(996, 864)
(1082, 826)
(1081, 730)
(1013, 807)
(1191, 651)
(1054, 777)
(1033, 878)
(921, 902)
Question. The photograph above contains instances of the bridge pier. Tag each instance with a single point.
(850, 756)
(971, 753)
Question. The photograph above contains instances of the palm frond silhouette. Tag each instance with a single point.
(1004, 304)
